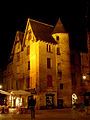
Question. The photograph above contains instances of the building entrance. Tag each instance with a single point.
(49, 100)
(60, 103)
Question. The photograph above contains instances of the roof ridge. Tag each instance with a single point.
(41, 22)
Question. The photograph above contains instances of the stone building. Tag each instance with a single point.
(40, 63)
(85, 72)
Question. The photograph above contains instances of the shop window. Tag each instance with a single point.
(49, 63)
(49, 101)
(49, 81)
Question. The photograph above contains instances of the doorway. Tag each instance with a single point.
(49, 101)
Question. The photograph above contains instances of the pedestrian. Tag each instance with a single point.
(32, 103)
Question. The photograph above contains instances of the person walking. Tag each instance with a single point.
(32, 103)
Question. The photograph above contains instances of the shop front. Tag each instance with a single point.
(18, 100)
(4, 101)
(49, 101)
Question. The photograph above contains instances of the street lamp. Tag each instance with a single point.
(84, 77)
(1, 86)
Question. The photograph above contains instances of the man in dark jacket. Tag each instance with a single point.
(31, 105)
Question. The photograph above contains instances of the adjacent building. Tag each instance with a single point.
(85, 72)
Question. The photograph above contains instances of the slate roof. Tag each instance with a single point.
(42, 31)
(59, 28)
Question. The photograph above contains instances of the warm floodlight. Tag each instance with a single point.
(0, 86)
(84, 77)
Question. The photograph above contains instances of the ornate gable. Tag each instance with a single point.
(17, 42)
(28, 35)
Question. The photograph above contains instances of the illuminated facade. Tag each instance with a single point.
(40, 63)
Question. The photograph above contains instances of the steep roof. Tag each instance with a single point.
(18, 38)
(59, 28)
(42, 31)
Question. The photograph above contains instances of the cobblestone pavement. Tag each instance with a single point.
(49, 115)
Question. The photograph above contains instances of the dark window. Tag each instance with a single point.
(49, 81)
(59, 71)
(57, 37)
(48, 63)
(28, 50)
(48, 48)
(58, 51)
(28, 82)
(28, 65)
(61, 86)
(59, 75)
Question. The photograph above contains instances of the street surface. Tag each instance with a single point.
(55, 114)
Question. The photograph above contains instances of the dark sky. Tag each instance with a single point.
(14, 15)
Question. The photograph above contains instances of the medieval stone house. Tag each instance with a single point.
(40, 63)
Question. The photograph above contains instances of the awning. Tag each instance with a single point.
(20, 92)
(4, 92)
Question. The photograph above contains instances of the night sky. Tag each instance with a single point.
(14, 15)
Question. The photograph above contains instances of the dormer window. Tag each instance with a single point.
(57, 38)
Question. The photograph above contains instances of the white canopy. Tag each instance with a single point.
(4, 92)
(20, 92)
